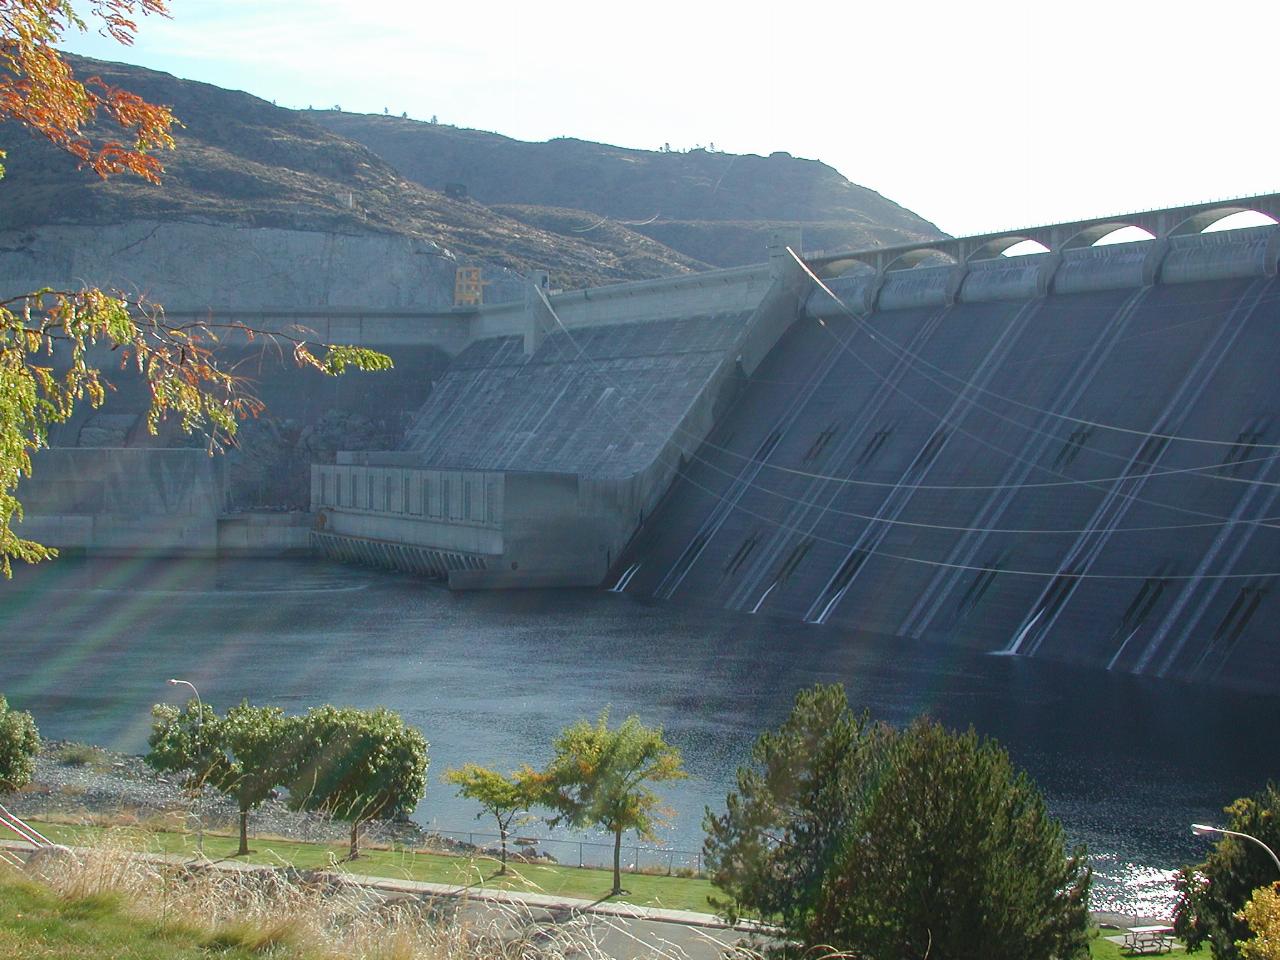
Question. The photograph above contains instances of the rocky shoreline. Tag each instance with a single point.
(89, 784)
(120, 788)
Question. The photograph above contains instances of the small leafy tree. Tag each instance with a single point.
(186, 742)
(503, 798)
(356, 765)
(599, 777)
(1262, 914)
(239, 754)
(886, 843)
(1212, 894)
(19, 746)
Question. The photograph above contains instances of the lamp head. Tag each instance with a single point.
(1203, 830)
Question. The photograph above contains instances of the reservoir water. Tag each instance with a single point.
(1126, 764)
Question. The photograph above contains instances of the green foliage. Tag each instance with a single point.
(888, 843)
(954, 855)
(503, 798)
(239, 754)
(1211, 894)
(19, 745)
(186, 741)
(599, 777)
(80, 755)
(1262, 915)
(783, 828)
(356, 765)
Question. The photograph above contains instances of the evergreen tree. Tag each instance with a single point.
(886, 843)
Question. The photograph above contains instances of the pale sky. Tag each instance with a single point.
(976, 116)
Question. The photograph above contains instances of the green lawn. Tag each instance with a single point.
(585, 883)
(37, 924)
(679, 893)
(1100, 949)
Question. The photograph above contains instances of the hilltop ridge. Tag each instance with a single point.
(589, 213)
(715, 207)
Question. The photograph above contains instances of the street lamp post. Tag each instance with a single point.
(1204, 830)
(199, 744)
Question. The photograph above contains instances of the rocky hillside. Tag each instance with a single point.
(243, 162)
(587, 212)
(715, 207)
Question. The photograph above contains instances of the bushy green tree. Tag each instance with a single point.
(240, 754)
(356, 765)
(955, 856)
(19, 746)
(782, 830)
(887, 843)
(1211, 894)
(186, 741)
(1262, 915)
(501, 797)
(599, 777)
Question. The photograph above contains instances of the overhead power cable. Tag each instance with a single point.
(1080, 421)
(876, 551)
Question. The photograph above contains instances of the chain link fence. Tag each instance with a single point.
(634, 857)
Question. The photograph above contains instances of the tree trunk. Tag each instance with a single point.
(502, 832)
(244, 833)
(617, 862)
(355, 840)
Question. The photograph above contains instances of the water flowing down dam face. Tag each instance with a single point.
(1085, 477)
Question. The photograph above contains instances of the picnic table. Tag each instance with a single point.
(1156, 938)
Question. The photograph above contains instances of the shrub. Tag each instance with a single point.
(80, 755)
(19, 746)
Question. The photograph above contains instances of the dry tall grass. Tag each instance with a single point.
(290, 914)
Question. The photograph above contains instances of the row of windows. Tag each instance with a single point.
(446, 496)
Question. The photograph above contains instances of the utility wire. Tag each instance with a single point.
(875, 551)
(1098, 424)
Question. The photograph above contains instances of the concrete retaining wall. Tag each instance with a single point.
(123, 501)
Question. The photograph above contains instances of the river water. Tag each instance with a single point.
(1126, 764)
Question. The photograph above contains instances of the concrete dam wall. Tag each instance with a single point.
(1069, 456)
(545, 445)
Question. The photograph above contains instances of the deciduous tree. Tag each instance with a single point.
(1211, 894)
(240, 754)
(356, 765)
(1262, 915)
(19, 746)
(46, 335)
(501, 797)
(600, 777)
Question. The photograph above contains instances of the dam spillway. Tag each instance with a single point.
(1067, 455)
(1085, 475)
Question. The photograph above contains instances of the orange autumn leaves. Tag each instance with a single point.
(40, 90)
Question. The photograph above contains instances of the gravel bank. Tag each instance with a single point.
(118, 785)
